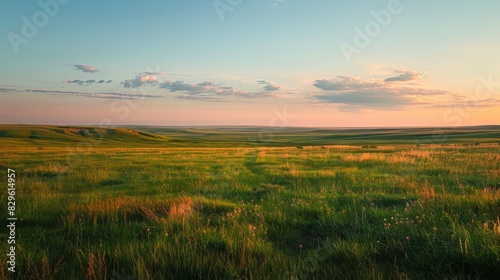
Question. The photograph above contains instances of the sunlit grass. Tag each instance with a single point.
(344, 212)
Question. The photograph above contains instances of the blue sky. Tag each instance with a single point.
(238, 62)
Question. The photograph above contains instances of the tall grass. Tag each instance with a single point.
(394, 212)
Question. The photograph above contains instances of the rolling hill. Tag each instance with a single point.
(153, 136)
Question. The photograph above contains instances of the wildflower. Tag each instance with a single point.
(485, 225)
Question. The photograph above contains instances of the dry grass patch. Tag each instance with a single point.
(496, 227)
(329, 173)
(181, 208)
(364, 157)
(394, 159)
(490, 193)
(153, 210)
(111, 206)
(417, 153)
(50, 168)
(428, 192)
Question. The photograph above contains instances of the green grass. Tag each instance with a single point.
(144, 136)
(137, 211)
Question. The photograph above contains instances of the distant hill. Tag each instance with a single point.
(152, 136)
(28, 135)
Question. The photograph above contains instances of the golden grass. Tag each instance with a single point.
(496, 227)
(96, 266)
(112, 205)
(416, 153)
(293, 171)
(492, 157)
(181, 208)
(47, 271)
(427, 192)
(393, 158)
(153, 210)
(491, 193)
(350, 157)
(364, 157)
(49, 168)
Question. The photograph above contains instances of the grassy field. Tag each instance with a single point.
(162, 137)
(213, 203)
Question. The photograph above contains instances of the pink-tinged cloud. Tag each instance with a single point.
(103, 95)
(270, 86)
(209, 89)
(139, 81)
(355, 92)
(85, 68)
(341, 83)
(406, 75)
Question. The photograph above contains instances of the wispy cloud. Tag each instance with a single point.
(406, 75)
(347, 83)
(104, 95)
(9, 90)
(201, 97)
(87, 82)
(85, 68)
(192, 89)
(367, 98)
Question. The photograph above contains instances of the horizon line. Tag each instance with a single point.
(256, 126)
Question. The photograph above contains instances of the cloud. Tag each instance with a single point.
(9, 90)
(210, 89)
(80, 82)
(406, 75)
(270, 86)
(341, 83)
(193, 89)
(353, 91)
(85, 68)
(86, 82)
(200, 97)
(117, 95)
(139, 81)
(104, 95)
(368, 98)
(154, 73)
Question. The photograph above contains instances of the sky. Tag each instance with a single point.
(319, 63)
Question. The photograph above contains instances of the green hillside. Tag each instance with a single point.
(148, 136)
(29, 135)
